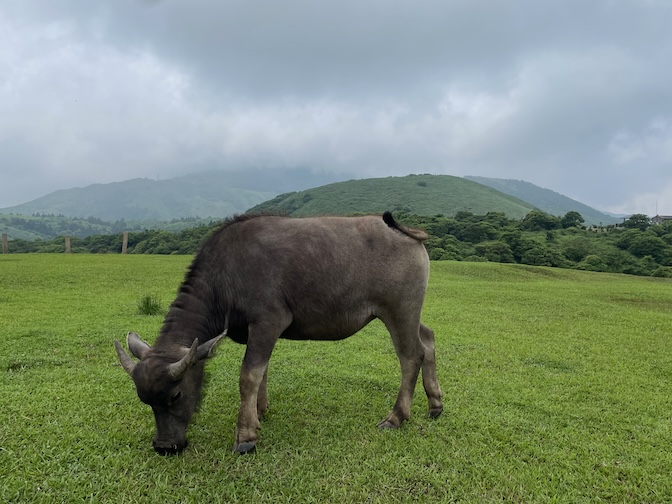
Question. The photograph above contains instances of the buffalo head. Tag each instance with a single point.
(170, 384)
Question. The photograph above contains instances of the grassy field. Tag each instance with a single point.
(557, 385)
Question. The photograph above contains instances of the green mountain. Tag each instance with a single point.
(198, 195)
(197, 199)
(549, 201)
(417, 194)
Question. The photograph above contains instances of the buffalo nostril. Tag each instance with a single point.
(166, 450)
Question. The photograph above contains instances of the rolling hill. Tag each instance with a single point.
(199, 195)
(195, 199)
(418, 194)
(549, 201)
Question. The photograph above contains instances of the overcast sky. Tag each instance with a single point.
(571, 95)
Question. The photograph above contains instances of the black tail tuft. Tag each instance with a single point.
(389, 220)
(416, 234)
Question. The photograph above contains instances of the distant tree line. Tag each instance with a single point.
(186, 241)
(636, 247)
(47, 226)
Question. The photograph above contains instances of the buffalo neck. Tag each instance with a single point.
(196, 313)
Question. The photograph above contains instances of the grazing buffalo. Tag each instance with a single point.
(260, 278)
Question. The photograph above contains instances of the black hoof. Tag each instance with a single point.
(435, 412)
(386, 424)
(243, 448)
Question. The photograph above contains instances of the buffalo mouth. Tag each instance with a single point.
(169, 449)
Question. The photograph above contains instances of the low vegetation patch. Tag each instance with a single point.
(150, 304)
(557, 388)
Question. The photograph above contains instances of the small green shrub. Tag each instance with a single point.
(150, 304)
(663, 272)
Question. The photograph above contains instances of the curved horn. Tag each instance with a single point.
(177, 369)
(126, 362)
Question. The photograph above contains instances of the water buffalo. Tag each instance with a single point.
(260, 278)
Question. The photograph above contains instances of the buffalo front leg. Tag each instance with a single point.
(253, 383)
(248, 419)
(429, 379)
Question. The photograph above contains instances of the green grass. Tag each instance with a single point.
(557, 385)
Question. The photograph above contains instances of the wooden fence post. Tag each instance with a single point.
(5, 244)
(67, 244)
(124, 243)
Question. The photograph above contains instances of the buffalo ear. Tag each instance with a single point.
(206, 349)
(137, 346)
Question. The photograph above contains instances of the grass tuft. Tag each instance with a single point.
(150, 304)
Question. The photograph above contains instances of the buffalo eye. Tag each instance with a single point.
(175, 397)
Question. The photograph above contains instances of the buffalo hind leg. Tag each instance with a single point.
(253, 380)
(429, 379)
(411, 354)
(262, 397)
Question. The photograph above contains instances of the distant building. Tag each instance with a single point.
(659, 219)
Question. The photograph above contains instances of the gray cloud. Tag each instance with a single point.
(573, 96)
